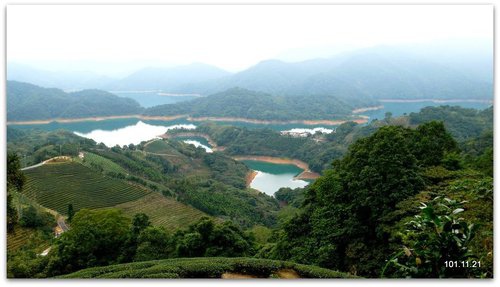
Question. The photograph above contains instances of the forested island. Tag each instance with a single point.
(29, 102)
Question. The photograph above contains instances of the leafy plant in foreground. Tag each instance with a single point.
(437, 243)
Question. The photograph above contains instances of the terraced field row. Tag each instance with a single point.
(56, 185)
(162, 211)
(19, 238)
(209, 267)
(106, 164)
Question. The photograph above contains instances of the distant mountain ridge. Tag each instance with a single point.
(383, 72)
(30, 102)
(377, 73)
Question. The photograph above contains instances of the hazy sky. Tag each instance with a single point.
(230, 37)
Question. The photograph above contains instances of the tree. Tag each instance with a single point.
(96, 238)
(154, 243)
(71, 212)
(15, 182)
(341, 223)
(205, 238)
(432, 142)
(139, 223)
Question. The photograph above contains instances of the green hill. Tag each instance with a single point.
(209, 267)
(56, 185)
(27, 102)
(243, 103)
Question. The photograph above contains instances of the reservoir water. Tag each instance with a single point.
(149, 99)
(399, 109)
(271, 176)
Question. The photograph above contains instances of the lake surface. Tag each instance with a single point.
(197, 142)
(271, 177)
(399, 109)
(134, 134)
(149, 99)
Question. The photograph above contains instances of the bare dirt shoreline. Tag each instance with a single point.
(433, 100)
(359, 120)
(96, 119)
(362, 110)
(254, 121)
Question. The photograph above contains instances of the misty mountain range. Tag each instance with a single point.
(382, 72)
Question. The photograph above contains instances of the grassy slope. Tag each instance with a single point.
(58, 184)
(205, 268)
(162, 211)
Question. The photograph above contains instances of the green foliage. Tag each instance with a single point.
(437, 235)
(344, 222)
(153, 243)
(15, 182)
(71, 212)
(462, 123)
(33, 218)
(140, 222)
(292, 197)
(35, 146)
(245, 207)
(205, 238)
(204, 268)
(433, 142)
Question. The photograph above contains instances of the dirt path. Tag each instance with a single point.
(57, 158)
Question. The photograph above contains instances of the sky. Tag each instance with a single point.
(106, 39)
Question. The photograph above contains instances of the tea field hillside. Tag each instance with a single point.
(56, 185)
(209, 267)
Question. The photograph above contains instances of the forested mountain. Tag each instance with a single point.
(168, 79)
(383, 72)
(29, 102)
(243, 103)
(66, 80)
(378, 73)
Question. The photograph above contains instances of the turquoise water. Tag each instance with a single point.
(271, 177)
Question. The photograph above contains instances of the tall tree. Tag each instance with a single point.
(15, 182)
